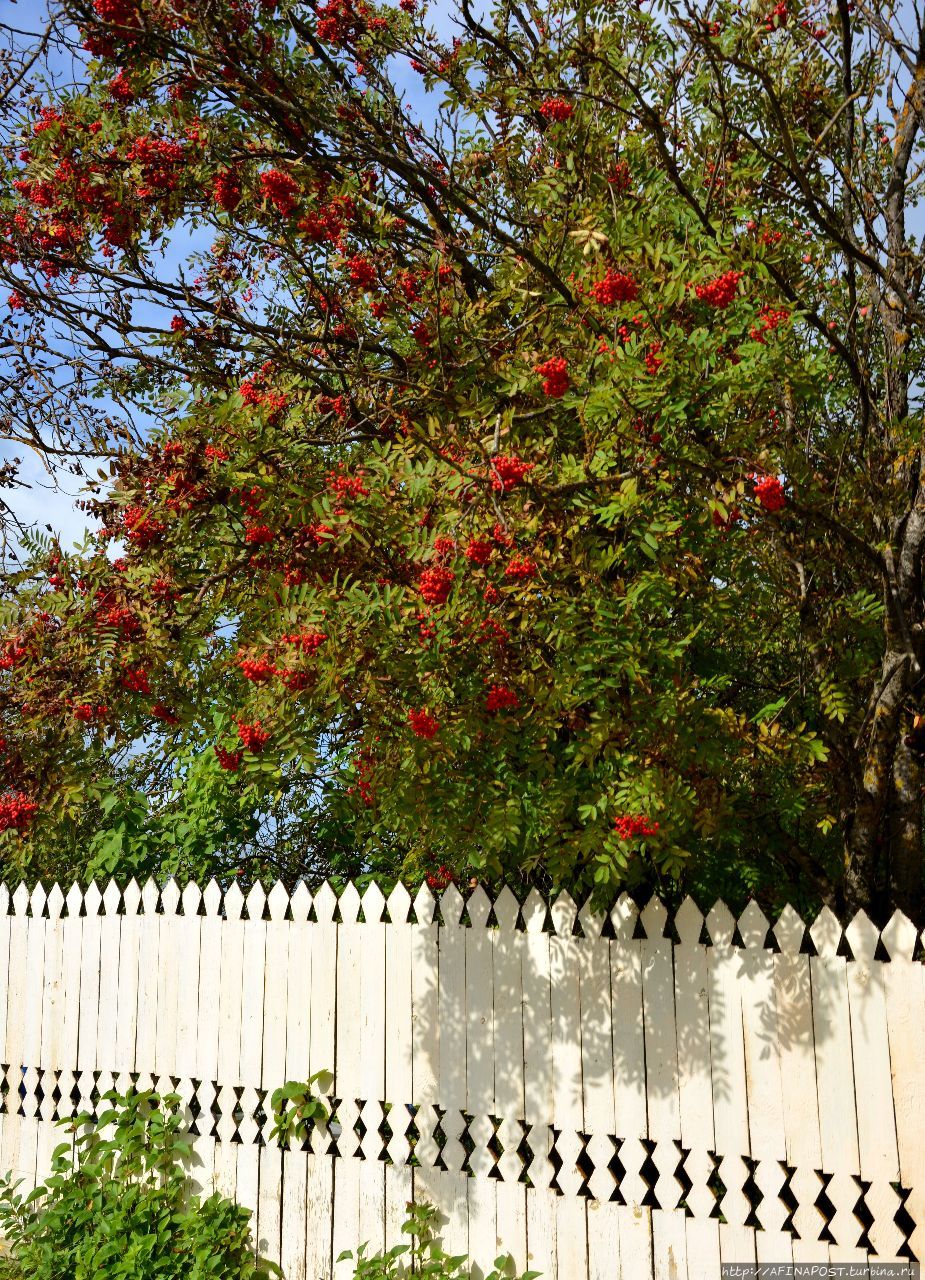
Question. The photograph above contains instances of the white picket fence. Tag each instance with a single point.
(597, 1098)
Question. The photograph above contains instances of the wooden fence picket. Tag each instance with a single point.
(571, 1086)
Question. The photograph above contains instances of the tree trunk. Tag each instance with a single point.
(883, 845)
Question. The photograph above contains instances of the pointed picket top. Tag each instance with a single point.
(754, 926)
(399, 904)
(191, 898)
(688, 922)
(170, 897)
(863, 936)
(350, 904)
(654, 917)
(55, 902)
(212, 898)
(506, 909)
(74, 901)
(20, 899)
(425, 904)
(301, 902)
(149, 896)
(564, 913)
(255, 901)
(373, 903)
(131, 897)
(789, 931)
(826, 932)
(720, 924)
(592, 922)
(451, 905)
(325, 903)
(234, 901)
(4, 899)
(37, 900)
(623, 916)
(278, 899)
(112, 898)
(534, 912)
(93, 899)
(899, 936)
(479, 905)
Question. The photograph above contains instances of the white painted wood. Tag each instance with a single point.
(399, 1053)
(904, 991)
(348, 1077)
(250, 1061)
(799, 1095)
(34, 981)
(730, 1092)
(319, 1174)
(373, 1031)
(538, 1092)
(52, 1022)
(687, 1049)
(764, 1086)
(229, 1039)
(870, 1046)
(168, 981)
(5, 988)
(838, 1126)
(148, 985)
(481, 1189)
(695, 1090)
(107, 1020)
(510, 1192)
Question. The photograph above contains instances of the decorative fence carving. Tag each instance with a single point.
(598, 1098)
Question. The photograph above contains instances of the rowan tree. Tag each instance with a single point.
(534, 472)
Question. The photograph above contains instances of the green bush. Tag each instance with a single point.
(117, 1206)
(424, 1255)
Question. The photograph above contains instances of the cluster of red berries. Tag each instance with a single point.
(479, 551)
(721, 291)
(226, 190)
(629, 826)
(162, 163)
(778, 17)
(16, 811)
(423, 724)
(440, 879)
(281, 189)
(141, 528)
(343, 485)
(257, 670)
(258, 535)
(435, 584)
(501, 698)
(12, 655)
(307, 641)
(86, 713)
(554, 373)
(616, 286)
(520, 569)
(620, 177)
(556, 109)
(768, 320)
(253, 736)
(230, 760)
(135, 679)
(770, 492)
(508, 471)
(361, 271)
(120, 89)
